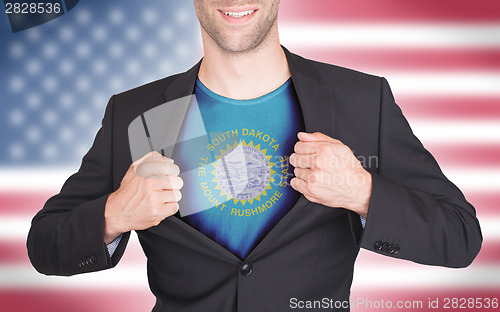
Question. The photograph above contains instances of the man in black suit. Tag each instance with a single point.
(411, 209)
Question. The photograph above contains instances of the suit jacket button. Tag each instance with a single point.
(93, 260)
(384, 246)
(246, 269)
(396, 249)
(390, 249)
(378, 245)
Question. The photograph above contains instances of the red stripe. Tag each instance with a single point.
(383, 60)
(19, 202)
(450, 107)
(486, 204)
(77, 300)
(463, 156)
(489, 255)
(391, 11)
(106, 300)
(14, 252)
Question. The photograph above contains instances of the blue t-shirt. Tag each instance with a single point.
(233, 158)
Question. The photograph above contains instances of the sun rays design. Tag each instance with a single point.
(243, 172)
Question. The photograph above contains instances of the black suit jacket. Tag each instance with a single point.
(415, 213)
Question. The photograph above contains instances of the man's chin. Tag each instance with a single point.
(240, 46)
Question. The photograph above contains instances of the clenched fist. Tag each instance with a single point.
(149, 192)
(328, 173)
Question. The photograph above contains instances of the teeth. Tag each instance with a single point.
(239, 14)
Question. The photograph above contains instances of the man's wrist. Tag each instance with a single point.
(362, 200)
(110, 231)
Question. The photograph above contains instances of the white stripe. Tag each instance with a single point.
(130, 276)
(384, 276)
(370, 36)
(42, 180)
(419, 276)
(457, 131)
(470, 83)
(472, 180)
(16, 228)
(123, 277)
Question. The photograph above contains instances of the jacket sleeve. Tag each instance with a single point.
(67, 235)
(415, 212)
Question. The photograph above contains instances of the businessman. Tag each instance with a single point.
(267, 114)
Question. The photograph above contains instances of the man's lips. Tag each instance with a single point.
(238, 16)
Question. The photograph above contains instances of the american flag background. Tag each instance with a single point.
(441, 57)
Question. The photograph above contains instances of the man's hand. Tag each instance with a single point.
(148, 193)
(328, 173)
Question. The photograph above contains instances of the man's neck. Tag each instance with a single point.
(244, 75)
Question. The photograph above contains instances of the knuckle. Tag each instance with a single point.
(177, 182)
(310, 189)
(181, 182)
(172, 208)
(318, 161)
(173, 169)
(177, 195)
(296, 146)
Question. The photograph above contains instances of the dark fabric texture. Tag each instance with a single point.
(310, 253)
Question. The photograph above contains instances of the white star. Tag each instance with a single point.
(149, 16)
(33, 100)
(132, 33)
(116, 16)
(49, 151)
(66, 134)
(50, 83)
(16, 50)
(33, 67)
(116, 49)
(165, 33)
(99, 33)
(33, 134)
(66, 67)
(67, 33)
(82, 83)
(16, 117)
(83, 49)
(66, 100)
(82, 118)
(17, 151)
(183, 17)
(50, 50)
(16, 84)
(83, 16)
(49, 118)
(149, 50)
(99, 67)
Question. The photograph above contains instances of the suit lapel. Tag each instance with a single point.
(317, 105)
(315, 97)
(183, 84)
